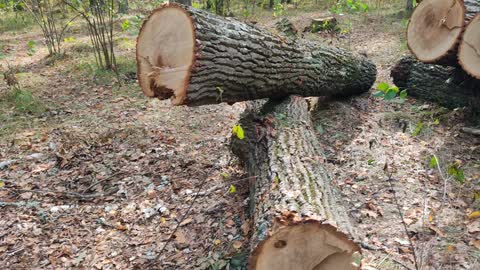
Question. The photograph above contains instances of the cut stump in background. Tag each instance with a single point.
(298, 222)
(435, 29)
(469, 51)
(195, 58)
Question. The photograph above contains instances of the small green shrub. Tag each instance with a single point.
(350, 6)
(24, 101)
(390, 93)
(14, 21)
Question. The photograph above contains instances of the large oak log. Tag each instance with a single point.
(198, 58)
(298, 222)
(435, 29)
(448, 86)
(469, 50)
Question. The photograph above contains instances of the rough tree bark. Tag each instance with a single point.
(198, 58)
(448, 86)
(298, 223)
(444, 21)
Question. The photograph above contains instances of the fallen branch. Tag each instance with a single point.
(472, 131)
(65, 193)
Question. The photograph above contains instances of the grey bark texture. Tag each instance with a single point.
(237, 62)
(472, 7)
(281, 151)
(448, 86)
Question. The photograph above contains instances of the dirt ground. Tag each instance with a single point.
(99, 177)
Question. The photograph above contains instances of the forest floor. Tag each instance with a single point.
(94, 175)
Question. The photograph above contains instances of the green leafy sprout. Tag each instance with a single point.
(390, 93)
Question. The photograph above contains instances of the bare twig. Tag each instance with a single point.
(399, 209)
(224, 184)
(472, 131)
(443, 177)
(101, 181)
(65, 193)
(179, 222)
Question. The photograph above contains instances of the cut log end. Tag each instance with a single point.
(306, 245)
(435, 28)
(165, 53)
(469, 51)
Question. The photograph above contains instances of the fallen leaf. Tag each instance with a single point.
(408, 221)
(245, 228)
(121, 227)
(216, 242)
(26, 195)
(180, 237)
(437, 230)
(229, 223)
(451, 248)
(476, 244)
(186, 221)
(237, 244)
(475, 214)
(474, 226)
(370, 213)
(232, 189)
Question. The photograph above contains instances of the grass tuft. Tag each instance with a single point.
(24, 101)
(15, 21)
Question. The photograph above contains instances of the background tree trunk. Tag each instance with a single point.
(123, 7)
(409, 5)
(183, 2)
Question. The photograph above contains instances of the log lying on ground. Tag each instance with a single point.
(198, 58)
(448, 86)
(435, 29)
(298, 223)
(469, 50)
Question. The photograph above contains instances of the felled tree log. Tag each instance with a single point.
(448, 86)
(469, 50)
(198, 58)
(435, 29)
(298, 223)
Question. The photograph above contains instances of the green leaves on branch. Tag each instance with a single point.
(350, 6)
(457, 173)
(31, 47)
(433, 162)
(418, 128)
(453, 169)
(126, 25)
(390, 93)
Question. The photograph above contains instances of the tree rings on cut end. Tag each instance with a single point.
(435, 28)
(469, 51)
(307, 245)
(165, 53)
